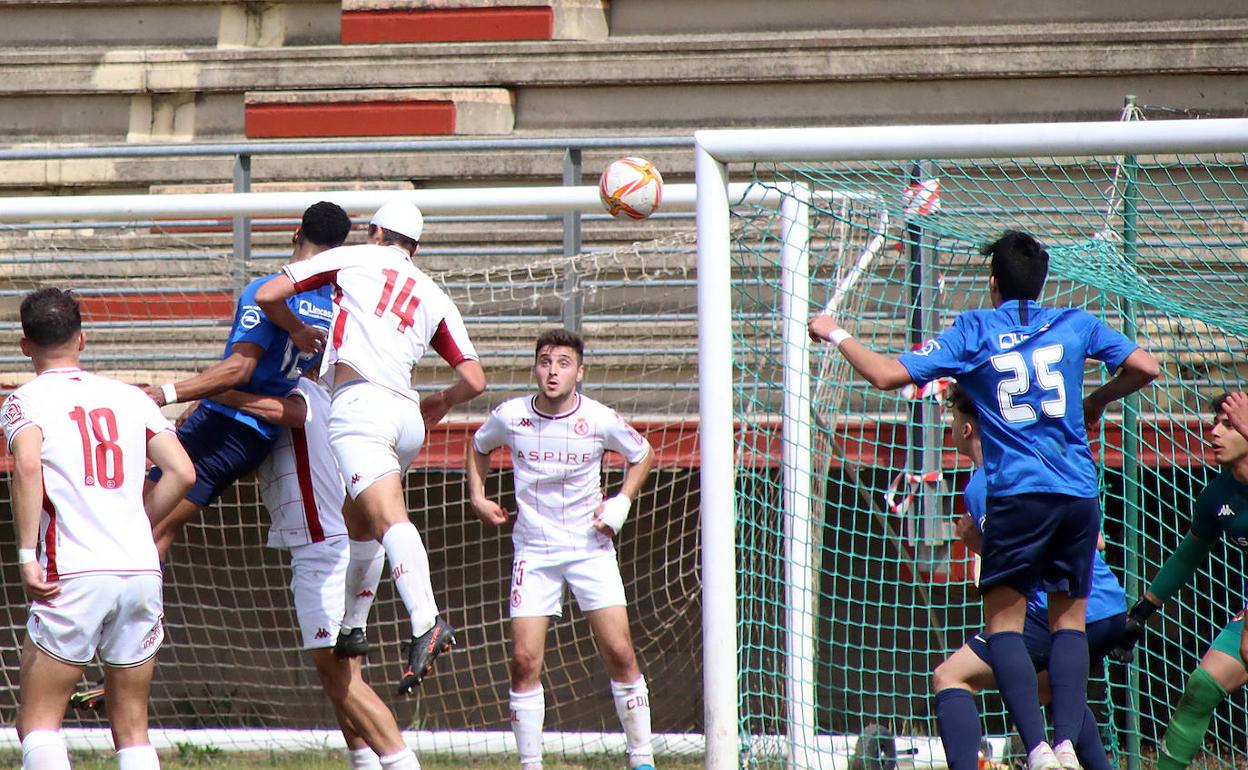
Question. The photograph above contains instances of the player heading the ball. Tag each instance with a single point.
(80, 443)
(563, 534)
(1022, 365)
(387, 313)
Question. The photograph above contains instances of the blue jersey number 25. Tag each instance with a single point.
(1018, 382)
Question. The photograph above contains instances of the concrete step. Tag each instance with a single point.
(440, 21)
(115, 23)
(935, 74)
(379, 112)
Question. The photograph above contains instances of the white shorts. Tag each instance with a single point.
(119, 616)
(374, 432)
(319, 584)
(537, 583)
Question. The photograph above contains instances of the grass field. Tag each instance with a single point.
(205, 759)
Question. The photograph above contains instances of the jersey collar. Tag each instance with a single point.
(540, 413)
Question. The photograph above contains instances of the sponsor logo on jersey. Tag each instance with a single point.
(250, 317)
(355, 479)
(525, 422)
(927, 348)
(581, 428)
(364, 594)
(309, 308)
(568, 458)
(322, 633)
(1012, 339)
(1225, 511)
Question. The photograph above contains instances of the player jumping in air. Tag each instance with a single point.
(387, 313)
(563, 535)
(1221, 512)
(967, 671)
(80, 443)
(304, 494)
(1022, 366)
(227, 444)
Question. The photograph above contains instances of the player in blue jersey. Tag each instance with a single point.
(967, 671)
(224, 442)
(1022, 364)
(1220, 513)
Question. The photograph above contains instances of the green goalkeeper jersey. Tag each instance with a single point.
(1222, 511)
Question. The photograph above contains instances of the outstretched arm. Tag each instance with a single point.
(230, 372)
(878, 369)
(286, 411)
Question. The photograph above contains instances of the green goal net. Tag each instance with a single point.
(844, 643)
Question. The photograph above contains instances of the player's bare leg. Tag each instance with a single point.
(362, 711)
(527, 701)
(170, 527)
(129, 692)
(385, 508)
(1005, 611)
(364, 568)
(628, 686)
(45, 687)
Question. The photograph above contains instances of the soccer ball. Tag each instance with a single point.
(631, 187)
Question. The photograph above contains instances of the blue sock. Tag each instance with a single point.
(957, 721)
(1016, 678)
(1068, 679)
(1090, 749)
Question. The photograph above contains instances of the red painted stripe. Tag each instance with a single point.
(151, 307)
(316, 281)
(423, 118)
(449, 25)
(303, 471)
(340, 322)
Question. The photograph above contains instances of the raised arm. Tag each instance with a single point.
(1138, 370)
(477, 464)
(271, 297)
(27, 490)
(878, 369)
(287, 411)
(230, 372)
(1235, 407)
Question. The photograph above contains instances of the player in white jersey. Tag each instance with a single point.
(563, 535)
(80, 444)
(387, 314)
(303, 491)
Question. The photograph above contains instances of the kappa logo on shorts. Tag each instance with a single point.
(322, 633)
(581, 428)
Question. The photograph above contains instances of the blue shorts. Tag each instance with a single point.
(1040, 541)
(223, 451)
(1102, 636)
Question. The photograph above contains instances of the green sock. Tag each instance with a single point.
(1186, 732)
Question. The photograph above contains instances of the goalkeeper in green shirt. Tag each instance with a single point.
(1221, 512)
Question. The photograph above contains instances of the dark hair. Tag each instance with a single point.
(961, 401)
(561, 338)
(398, 239)
(50, 317)
(1216, 404)
(1019, 263)
(325, 224)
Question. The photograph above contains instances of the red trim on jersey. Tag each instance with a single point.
(49, 535)
(340, 323)
(315, 281)
(303, 470)
(445, 344)
(540, 413)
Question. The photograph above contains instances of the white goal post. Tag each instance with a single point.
(715, 150)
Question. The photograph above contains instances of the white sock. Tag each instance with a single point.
(363, 759)
(363, 575)
(409, 568)
(632, 706)
(401, 760)
(528, 713)
(44, 750)
(138, 758)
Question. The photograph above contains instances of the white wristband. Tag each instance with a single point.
(170, 392)
(838, 336)
(26, 554)
(615, 511)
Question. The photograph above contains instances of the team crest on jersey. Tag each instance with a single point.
(927, 348)
(12, 412)
(581, 428)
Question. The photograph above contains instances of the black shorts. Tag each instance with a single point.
(1040, 540)
(223, 451)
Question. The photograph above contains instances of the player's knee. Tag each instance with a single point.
(942, 679)
(526, 667)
